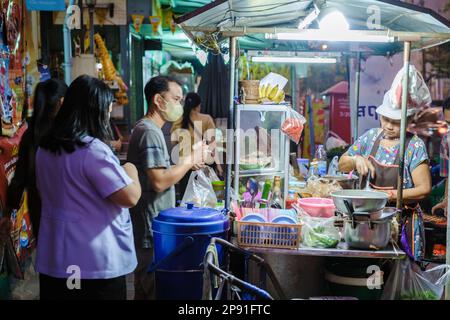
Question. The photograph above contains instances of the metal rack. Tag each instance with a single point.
(281, 159)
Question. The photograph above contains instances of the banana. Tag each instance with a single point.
(279, 97)
(267, 91)
(261, 91)
(273, 93)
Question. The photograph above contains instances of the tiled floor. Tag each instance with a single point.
(130, 287)
(29, 289)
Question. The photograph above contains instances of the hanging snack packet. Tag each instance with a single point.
(293, 125)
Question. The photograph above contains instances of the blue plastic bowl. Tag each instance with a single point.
(252, 234)
(285, 235)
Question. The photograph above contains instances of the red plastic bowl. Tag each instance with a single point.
(318, 207)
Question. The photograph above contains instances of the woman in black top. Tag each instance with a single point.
(48, 98)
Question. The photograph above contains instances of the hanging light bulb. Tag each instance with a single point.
(334, 22)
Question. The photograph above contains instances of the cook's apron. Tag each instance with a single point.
(412, 234)
(385, 175)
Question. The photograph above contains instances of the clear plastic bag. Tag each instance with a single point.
(318, 232)
(293, 125)
(408, 282)
(334, 141)
(200, 191)
(320, 187)
(418, 92)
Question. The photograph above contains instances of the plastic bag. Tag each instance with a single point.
(334, 141)
(28, 287)
(271, 88)
(418, 92)
(199, 190)
(318, 232)
(408, 282)
(320, 187)
(293, 125)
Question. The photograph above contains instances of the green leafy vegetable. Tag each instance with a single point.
(419, 295)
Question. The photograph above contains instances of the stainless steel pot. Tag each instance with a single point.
(361, 232)
(359, 200)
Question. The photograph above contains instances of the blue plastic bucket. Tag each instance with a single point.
(181, 237)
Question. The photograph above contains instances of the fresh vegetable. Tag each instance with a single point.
(317, 238)
(419, 295)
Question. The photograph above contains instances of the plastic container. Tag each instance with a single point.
(321, 158)
(318, 207)
(181, 237)
(291, 199)
(219, 189)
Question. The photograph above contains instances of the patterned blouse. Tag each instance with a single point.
(416, 153)
(444, 152)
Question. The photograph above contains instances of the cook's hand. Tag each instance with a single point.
(442, 205)
(363, 166)
(392, 194)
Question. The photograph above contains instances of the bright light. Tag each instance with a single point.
(320, 35)
(442, 130)
(293, 59)
(334, 21)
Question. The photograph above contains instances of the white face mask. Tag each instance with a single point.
(172, 112)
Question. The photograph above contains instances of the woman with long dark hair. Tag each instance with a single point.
(85, 245)
(48, 97)
(200, 126)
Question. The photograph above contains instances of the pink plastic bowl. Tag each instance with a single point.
(318, 207)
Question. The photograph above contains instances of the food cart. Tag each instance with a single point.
(378, 27)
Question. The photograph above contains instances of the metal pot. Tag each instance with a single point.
(359, 200)
(361, 232)
(344, 181)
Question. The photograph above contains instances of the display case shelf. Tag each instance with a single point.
(258, 134)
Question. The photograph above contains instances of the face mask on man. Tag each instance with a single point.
(172, 112)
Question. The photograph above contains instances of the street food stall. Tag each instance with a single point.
(291, 31)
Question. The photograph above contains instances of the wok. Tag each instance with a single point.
(359, 200)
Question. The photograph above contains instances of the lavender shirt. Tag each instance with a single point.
(79, 225)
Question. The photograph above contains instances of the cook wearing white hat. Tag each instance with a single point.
(378, 151)
(389, 110)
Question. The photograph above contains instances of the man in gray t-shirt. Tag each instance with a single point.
(147, 150)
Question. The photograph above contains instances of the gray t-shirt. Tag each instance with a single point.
(147, 149)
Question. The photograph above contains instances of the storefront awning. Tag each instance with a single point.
(252, 19)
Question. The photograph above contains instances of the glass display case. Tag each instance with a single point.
(261, 149)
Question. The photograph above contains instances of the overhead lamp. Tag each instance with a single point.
(320, 35)
(275, 59)
(334, 21)
(332, 27)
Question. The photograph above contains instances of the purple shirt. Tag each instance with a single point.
(79, 225)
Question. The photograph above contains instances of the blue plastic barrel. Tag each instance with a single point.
(181, 237)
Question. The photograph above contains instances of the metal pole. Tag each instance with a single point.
(294, 86)
(447, 245)
(355, 132)
(406, 59)
(230, 124)
(80, 4)
(67, 49)
(311, 125)
(91, 23)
